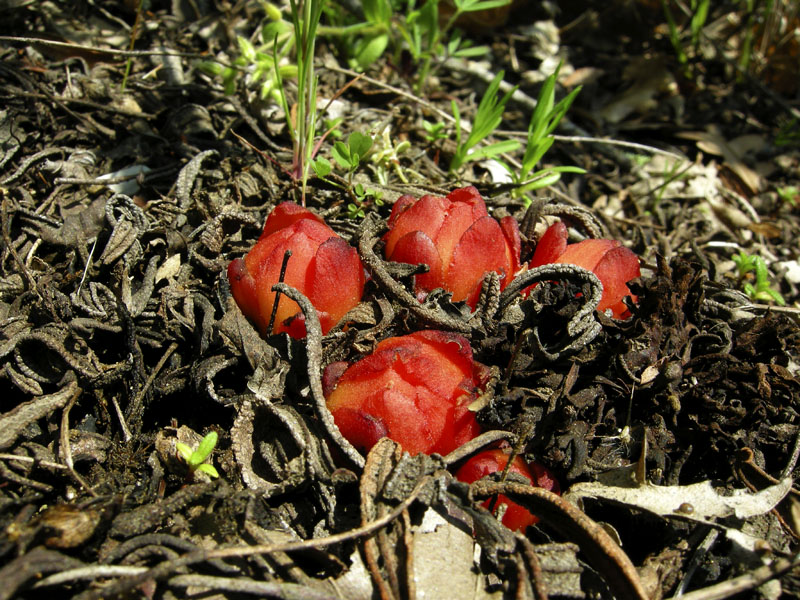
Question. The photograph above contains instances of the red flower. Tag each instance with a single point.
(614, 264)
(456, 238)
(323, 267)
(415, 389)
(493, 461)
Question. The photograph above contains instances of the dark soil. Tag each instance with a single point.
(119, 336)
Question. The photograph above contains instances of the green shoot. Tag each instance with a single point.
(302, 121)
(386, 154)
(349, 155)
(762, 291)
(789, 194)
(195, 459)
(487, 119)
(698, 16)
(363, 198)
(134, 33)
(544, 120)
(259, 62)
(434, 131)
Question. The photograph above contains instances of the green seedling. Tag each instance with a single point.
(258, 62)
(386, 155)
(762, 290)
(406, 25)
(363, 199)
(434, 131)
(788, 134)
(350, 154)
(789, 194)
(424, 34)
(487, 119)
(303, 120)
(195, 459)
(699, 15)
(544, 120)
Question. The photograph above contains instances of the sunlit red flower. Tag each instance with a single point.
(494, 461)
(456, 238)
(324, 267)
(614, 264)
(415, 389)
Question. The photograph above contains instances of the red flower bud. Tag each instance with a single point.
(456, 238)
(614, 264)
(322, 266)
(415, 389)
(494, 461)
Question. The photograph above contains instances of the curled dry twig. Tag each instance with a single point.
(366, 249)
(601, 550)
(582, 328)
(314, 353)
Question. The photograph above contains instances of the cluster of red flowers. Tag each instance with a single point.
(415, 389)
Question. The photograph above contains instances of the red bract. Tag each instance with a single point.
(415, 389)
(614, 264)
(494, 461)
(323, 267)
(456, 238)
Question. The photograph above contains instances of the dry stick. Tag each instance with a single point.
(478, 443)
(286, 256)
(748, 581)
(374, 265)
(110, 51)
(30, 459)
(245, 585)
(534, 566)
(602, 551)
(314, 362)
(165, 568)
(65, 445)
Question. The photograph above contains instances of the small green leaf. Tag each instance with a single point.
(206, 446)
(208, 470)
(210, 68)
(322, 167)
(371, 50)
(183, 450)
(273, 12)
(341, 154)
(246, 48)
(359, 144)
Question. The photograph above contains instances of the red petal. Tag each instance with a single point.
(417, 386)
(361, 429)
(482, 248)
(544, 478)
(303, 250)
(471, 196)
(551, 246)
(459, 219)
(416, 248)
(453, 347)
(587, 253)
(311, 230)
(425, 215)
(402, 204)
(284, 215)
(243, 289)
(331, 376)
(411, 417)
(615, 269)
(335, 279)
(494, 461)
(510, 229)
